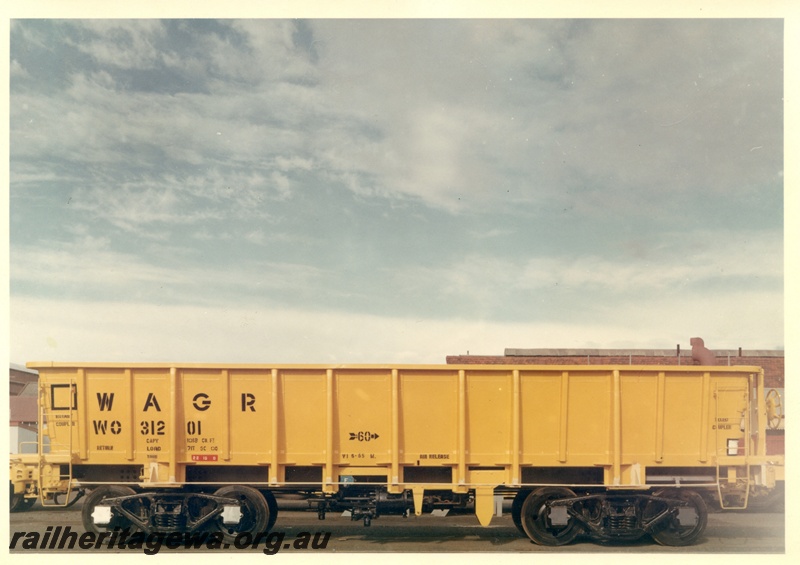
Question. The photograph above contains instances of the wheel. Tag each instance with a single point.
(688, 523)
(544, 525)
(15, 502)
(95, 498)
(774, 409)
(18, 502)
(516, 509)
(272, 504)
(24, 505)
(255, 512)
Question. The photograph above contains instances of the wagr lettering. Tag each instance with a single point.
(151, 402)
(105, 400)
(201, 402)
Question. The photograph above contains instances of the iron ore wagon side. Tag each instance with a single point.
(613, 451)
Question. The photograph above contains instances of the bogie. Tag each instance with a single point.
(556, 516)
(232, 510)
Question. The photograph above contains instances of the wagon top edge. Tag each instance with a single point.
(402, 367)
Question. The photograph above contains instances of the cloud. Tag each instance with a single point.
(454, 114)
(89, 267)
(93, 331)
(331, 179)
(698, 260)
(663, 107)
(128, 45)
(726, 274)
(17, 71)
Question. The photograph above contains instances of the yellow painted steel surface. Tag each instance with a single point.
(468, 426)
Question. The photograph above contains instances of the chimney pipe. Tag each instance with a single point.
(700, 354)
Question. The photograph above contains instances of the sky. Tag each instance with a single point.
(392, 190)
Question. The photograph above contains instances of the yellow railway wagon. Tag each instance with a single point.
(613, 451)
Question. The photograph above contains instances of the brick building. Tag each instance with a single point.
(21, 381)
(772, 361)
(23, 412)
